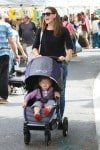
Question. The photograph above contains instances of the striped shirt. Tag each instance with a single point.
(5, 33)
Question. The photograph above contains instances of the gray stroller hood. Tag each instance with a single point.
(42, 66)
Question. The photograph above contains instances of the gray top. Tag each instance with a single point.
(27, 32)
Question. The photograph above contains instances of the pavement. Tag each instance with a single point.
(82, 109)
(96, 91)
(96, 102)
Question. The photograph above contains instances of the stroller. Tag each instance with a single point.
(37, 67)
(16, 75)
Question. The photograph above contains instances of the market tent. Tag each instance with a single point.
(22, 2)
(55, 3)
(5, 3)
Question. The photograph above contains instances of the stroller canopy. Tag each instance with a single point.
(42, 66)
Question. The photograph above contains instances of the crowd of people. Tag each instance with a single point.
(59, 35)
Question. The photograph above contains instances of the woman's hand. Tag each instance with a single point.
(36, 53)
(61, 58)
(24, 104)
(56, 94)
(35, 56)
(67, 59)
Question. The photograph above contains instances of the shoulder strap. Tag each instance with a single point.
(67, 24)
(41, 34)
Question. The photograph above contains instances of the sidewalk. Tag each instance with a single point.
(82, 110)
(84, 84)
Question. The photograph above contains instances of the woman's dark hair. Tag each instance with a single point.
(65, 18)
(57, 22)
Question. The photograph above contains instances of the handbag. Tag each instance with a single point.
(82, 41)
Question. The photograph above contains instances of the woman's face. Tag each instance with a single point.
(48, 16)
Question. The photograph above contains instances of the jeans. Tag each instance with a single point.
(64, 66)
(98, 41)
(95, 40)
(11, 62)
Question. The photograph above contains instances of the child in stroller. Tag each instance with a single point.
(45, 71)
(44, 95)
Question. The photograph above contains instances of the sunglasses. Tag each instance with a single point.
(46, 14)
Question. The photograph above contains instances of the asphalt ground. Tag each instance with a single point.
(82, 109)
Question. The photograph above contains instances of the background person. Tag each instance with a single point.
(95, 29)
(6, 38)
(72, 32)
(53, 41)
(85, 28)
(27, 31)
(18, 44)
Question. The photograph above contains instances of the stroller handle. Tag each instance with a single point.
(53, 57)
(56, 58)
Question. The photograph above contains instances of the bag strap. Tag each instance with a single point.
(67, 24)
(41, 34)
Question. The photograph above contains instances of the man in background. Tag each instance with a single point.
(6, 39)
(27, 30)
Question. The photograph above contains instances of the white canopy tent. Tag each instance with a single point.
(55, 3)
(64, 6)
(11, 3)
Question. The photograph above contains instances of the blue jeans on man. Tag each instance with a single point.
(95, 40)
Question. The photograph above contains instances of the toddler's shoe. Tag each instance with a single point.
(46, 112)
(37, 116)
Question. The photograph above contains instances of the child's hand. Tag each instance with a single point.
(24, 104)
(56, 94)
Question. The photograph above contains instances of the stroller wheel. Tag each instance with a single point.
(60, 125)
(47, 138)
(26, 135)
(10, 89)
(65, 126)
(27, 138)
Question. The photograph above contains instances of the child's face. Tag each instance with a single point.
(45, 84)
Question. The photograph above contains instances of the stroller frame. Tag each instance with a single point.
(52, 124)
(17, 77)
(43, 66)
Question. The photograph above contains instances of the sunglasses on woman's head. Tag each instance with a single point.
(46, 14)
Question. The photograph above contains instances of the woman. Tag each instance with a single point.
(54, 39)
(72, 31)
(12, 61)
(18, 44)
